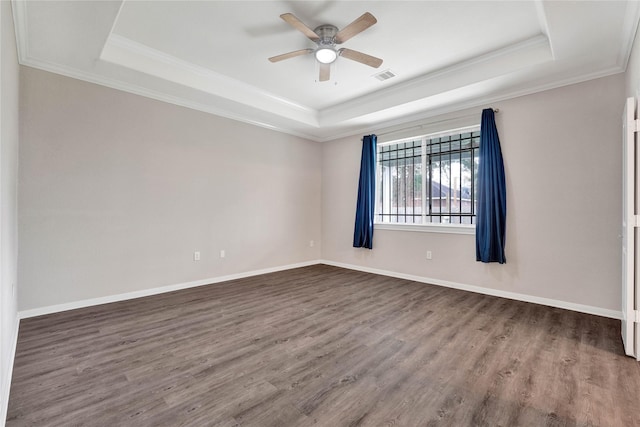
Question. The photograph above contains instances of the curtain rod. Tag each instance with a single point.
(495, 110)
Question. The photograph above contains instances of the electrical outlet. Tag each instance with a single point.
(196, 256)
(429, 255)
(223, 253)
(311, 243)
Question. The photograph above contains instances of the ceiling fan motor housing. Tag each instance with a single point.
(327, 34)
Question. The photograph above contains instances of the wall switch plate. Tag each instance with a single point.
(196, 256)
(429, 255)
(223, 253)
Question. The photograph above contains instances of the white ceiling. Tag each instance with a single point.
(212, 55)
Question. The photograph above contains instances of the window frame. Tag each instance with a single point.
(430, 227)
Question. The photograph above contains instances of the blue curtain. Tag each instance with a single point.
(363, 232)
(492, 195)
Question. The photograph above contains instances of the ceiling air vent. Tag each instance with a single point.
(385, 75)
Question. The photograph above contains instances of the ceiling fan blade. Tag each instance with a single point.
(290, 55)
(291, 19)
(325, 72)
(360, 57)
(356, 27)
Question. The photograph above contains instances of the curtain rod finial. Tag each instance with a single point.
(496, 110)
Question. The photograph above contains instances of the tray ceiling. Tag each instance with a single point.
(212, 56)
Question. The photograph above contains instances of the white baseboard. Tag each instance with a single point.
(598, 311)
(6, 387)
(153, 291)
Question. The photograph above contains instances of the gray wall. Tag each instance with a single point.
(9, 72)
(562, 153)
(117, 191)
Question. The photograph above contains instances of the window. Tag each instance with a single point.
(429, 179)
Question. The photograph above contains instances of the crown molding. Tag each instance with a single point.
(544, 23)
(20, 26)
(136, 56)
(629, 29)
(333, 135)
(424, 117)
(533, 50)
(157, 95)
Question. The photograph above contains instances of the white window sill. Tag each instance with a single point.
(428, 228)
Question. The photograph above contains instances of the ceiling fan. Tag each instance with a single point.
(326, 37)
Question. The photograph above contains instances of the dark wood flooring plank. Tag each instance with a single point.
(322, 346)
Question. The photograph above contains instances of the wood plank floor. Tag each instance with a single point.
(322, 346)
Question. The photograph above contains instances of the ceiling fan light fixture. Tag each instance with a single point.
(326, 55)
(326, 37)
